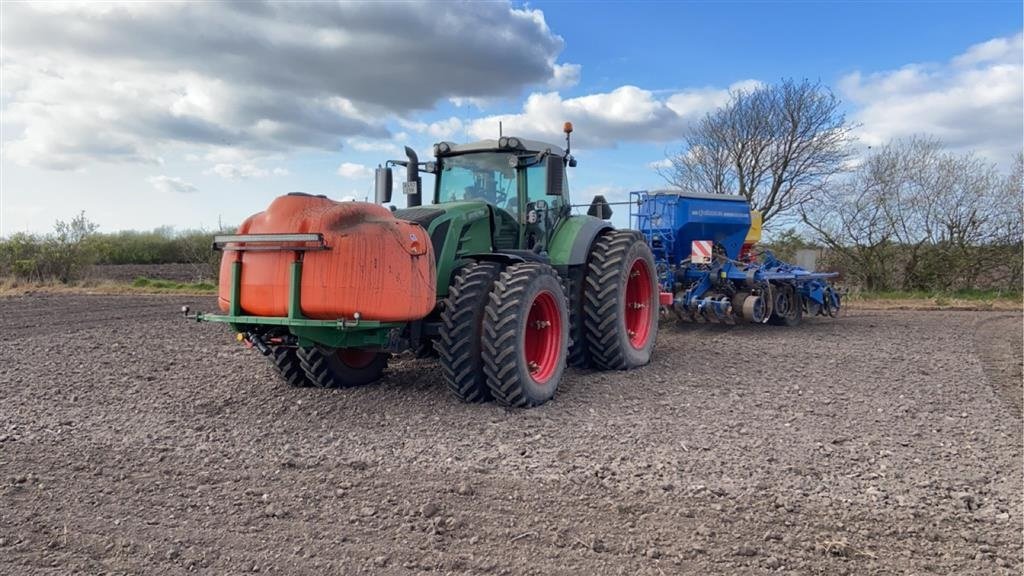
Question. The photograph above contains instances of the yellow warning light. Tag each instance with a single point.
(567, 127)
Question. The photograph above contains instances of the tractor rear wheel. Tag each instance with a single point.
(341, 367)
(462, 319)
(787, 310)
(620, 305)
(574, 280)
(287, 362)
(526, 335)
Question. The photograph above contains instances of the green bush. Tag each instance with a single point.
(786, 244)
(66, 253)
(62, 255)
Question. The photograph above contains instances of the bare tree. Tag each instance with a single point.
(776, 145)
(1009, 206)
(851, 221)
(1008, 224)
(917, 217)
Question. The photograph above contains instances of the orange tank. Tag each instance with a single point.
(376, 264)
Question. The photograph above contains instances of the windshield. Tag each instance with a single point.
(486, 177)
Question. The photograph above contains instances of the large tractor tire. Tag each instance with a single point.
(620, 301)
(459, 345)
(341, 367)
(526, 335)
(787, 310)
(574, 281)
(287, 362)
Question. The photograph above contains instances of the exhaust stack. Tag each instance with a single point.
(413, 184)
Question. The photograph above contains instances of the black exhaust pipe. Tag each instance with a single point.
(414, 192)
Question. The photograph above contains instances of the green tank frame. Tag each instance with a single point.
(339, 333)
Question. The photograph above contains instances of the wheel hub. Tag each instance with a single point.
(543, 337)
(638, 304)
(356, 357)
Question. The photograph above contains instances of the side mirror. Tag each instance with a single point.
(599, 208)
(555, 176)
(382, 182)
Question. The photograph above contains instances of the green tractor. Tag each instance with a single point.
(523, 287)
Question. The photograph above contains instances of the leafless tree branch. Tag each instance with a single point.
(776, 145)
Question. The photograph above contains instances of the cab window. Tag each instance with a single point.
(536, 187)
(486, 177)
(541, 209)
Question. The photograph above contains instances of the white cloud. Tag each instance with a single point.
(995, 50)
(478, 103)
(445, 128)
(566, 76)
(122, 82)
(441, 130)
(354, 171)
(627, 113)
(697, 102)
(973, 102)
(244, 171)
(169, 184)
(662, 164)
(372, 145)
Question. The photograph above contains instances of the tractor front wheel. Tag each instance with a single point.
(526, 335)
(341, 367)
(620, 301)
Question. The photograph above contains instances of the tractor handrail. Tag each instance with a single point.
(270, 242)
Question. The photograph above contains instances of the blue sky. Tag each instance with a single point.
(134, 115)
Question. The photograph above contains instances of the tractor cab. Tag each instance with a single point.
(522, 183)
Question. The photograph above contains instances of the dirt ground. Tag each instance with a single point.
(175, 272)
(884, 442)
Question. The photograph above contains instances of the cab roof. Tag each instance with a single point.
(492, 146)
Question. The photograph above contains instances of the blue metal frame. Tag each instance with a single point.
(704, 278)
(705, 290)
(656, 224)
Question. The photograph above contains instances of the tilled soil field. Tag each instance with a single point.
(175, 272)
(132, 441)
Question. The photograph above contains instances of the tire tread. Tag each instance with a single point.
(459, 342)
(601, 314)
(288, 365)
(500, 338)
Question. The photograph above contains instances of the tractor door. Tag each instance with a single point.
(540, 210)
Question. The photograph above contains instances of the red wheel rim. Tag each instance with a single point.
(543, 339)
(638, 303)
(356, 357)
